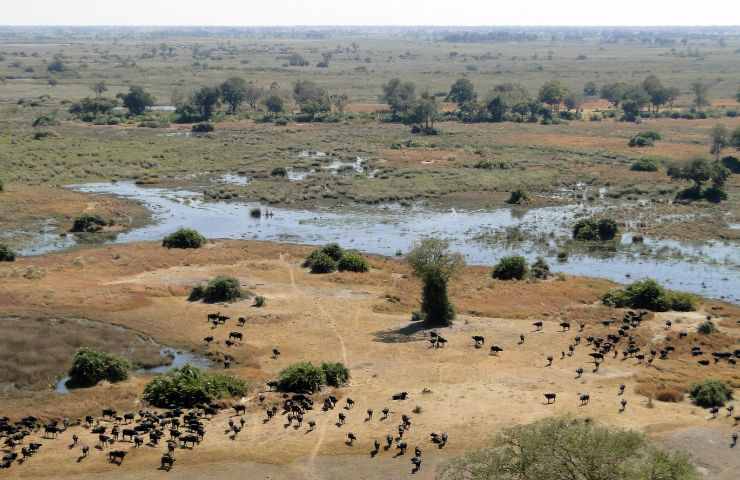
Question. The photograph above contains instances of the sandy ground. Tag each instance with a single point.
(363, 321)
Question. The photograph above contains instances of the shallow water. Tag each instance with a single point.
(179, 359)
(710, 268)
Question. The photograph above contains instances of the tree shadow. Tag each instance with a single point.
(412, 332)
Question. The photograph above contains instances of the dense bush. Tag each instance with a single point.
(650, 295)
(184, 238)
(87, 223)
(731, 163)
(644, 139)
(333, 250)
(710, 393)
(189, 386)
(303, 377)
(219, 289)
(202, 127)
(567, 448)
(279, 172)
(540, 269)
(6, 254)
(707, 328)
(260, 301)
(590, 229)
(322, 263)
(336, 374)
(510, 268)
(90, 367)
(645, 165)
(352, 262)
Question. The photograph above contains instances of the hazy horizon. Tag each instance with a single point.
(317, 13)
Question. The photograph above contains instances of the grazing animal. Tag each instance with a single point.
(167, 462)
(416, 461)
(350, 404)
(311, 425)
(85, 451)
(623, 405)
(479, 340)
(579, 372)
(621, 389)
(388, 441)
(351, 438)
(495, 349)
(565, 326)
(521, 339)
(369, 414)
(376, 448)
(714, 411)
(241, 321)
(538, 326)
(116, 456)
(275, 353)
(237, 336)
(342, 417)
(549, 361)
(550, 398)
(402, 446)
(734, 440)
(386, 411)
(239, 409)
(400, 396)
(585, 398)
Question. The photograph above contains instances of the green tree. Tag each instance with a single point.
(553, 93)
(205, 100)
(310, 97)
(399, 95)
(701, 94)
(719, 138)
(735, 138)
(234, 93)
(590, 89)
(274, 104)
(435, 265)
(137, 100)
(614, 93)
(569, 449)
(253, 94)
(90, 367)
(573, 101)
(424, 111)
(461, 92)
(339, 102)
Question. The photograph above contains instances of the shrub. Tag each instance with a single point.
(6, 254)
(90, 367)
(336, 374)
(333, 250)
(540, 269)
(260, 301)
(2, 185)
(202, 127)
(189, 386)
(510, 268)
(219, 289)
(87, 223)
(707, 328)
(518, 197)
(48, 120)
(255, 213)
(184, 238)
(352, 262)
(322, 263)
(710, 393)
(649, 295)
(562, 256)
(303, 377)
(644, 139)
(645, 165)
(666, 394)
(584, 449)
(279, 172)
(590, 229)
(731, 163)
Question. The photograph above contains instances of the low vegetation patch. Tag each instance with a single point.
(540, 269)
(88, 223)
(569, 448)
(645, 165)
(184, 238)
(650, 295)
(352, 262)
(710, 393)
(593, 230)
(707, 328)
(6, 254)
(202, 127)
(90, 367)
(260, 301)
(189, 386)
(301, 377)
(511, 268)
(219, 289)
(336, 374)
(645, 139)
(331, 257)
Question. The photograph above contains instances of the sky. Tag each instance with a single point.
(370, 12)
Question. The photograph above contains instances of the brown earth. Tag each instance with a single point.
(363, 321)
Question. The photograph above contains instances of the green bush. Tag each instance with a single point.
(219, 289)
(6, 254)
(87, 223)
(336, 374)
(650, 295)
(707, 328)
(184, 238)
(90, 367)
(333, 250)
(645, 139)
(279, 172)
(510, 268)
(189, 386)
(352, 262)
(540, 269)
(303, 377)
(322, 263)
(645, 165)
(260, 301)
(590, 229)
(710, 393)
(731, 163)
(568, 448)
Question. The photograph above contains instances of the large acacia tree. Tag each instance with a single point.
(434, 264)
